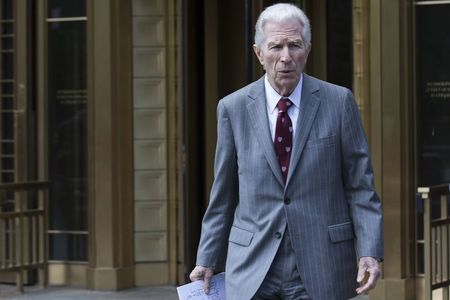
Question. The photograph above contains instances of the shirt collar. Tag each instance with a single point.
(273, 97)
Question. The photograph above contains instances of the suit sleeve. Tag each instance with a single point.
(219, 215)
(364, 203)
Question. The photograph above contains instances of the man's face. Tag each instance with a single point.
(283, 54)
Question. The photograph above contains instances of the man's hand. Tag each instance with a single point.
(202, 273)
(367, 265)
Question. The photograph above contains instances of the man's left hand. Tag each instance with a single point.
(367, 265)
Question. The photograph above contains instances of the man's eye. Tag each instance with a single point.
(275, 47)
(297, 46)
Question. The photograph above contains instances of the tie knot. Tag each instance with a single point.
(284, 104)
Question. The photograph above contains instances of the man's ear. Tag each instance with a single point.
(258, 53)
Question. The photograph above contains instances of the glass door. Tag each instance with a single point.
(433, 103)
(67, 129)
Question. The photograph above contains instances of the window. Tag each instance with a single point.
(67, 105)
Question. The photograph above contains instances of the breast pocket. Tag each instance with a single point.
(240, 236)
(321, 142)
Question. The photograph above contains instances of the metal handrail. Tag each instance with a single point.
(23, 186)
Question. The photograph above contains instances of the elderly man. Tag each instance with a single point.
(293, 204)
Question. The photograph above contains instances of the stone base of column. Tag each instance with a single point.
(109, 279)
(395, 289)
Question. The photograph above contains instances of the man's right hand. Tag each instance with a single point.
(202, 273)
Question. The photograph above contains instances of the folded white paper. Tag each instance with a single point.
(194, 290)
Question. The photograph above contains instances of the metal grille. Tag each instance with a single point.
(7, 94)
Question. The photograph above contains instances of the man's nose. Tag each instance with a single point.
(285, 55)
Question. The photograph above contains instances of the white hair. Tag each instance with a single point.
(278, 13)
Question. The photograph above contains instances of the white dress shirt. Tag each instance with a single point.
(273, 97)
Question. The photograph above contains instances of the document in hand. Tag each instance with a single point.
(194, 290)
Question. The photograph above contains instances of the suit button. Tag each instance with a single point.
(287, 201)
(278, 235)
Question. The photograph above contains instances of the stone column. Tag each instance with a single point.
(391, 139)
(110, 151)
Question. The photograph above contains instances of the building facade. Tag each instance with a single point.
(113, 102)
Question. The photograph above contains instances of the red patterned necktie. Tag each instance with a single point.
(283, 136)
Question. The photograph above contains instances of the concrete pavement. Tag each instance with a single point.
(65, 293)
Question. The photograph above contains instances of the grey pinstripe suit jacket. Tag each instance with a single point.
(334, 210)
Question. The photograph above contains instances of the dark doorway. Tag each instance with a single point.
(228, 45)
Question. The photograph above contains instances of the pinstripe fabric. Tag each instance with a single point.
(283, 280)
(334, 213)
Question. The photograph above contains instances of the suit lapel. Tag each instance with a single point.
(308, 109)
(257, 111)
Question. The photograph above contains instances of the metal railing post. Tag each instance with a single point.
(427, 242)
(444, 246)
